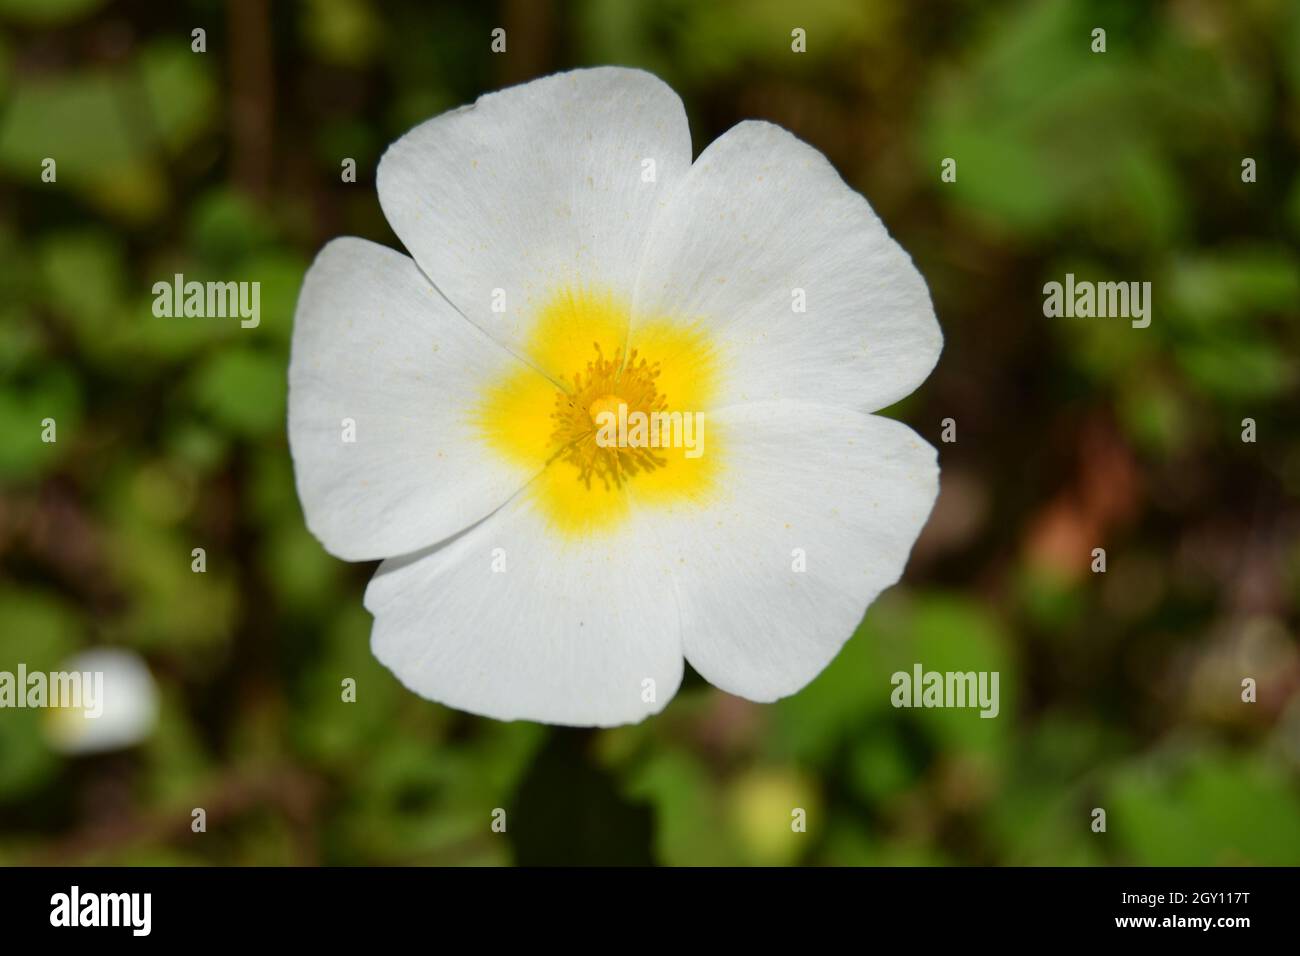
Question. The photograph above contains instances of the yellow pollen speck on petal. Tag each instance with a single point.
(612, 413)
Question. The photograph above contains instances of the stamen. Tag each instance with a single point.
(605, 386)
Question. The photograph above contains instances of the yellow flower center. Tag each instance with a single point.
(589, 410)
(569, 414)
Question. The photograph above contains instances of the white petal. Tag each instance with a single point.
(570, 632)
(851, 491)
(760, 216)
(536, 188)
(374, 342)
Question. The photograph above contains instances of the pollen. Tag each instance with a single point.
(606, 387)
(598, 365)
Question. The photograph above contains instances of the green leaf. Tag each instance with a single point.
(38, 631)
(1205, 809)
(690, 823)
(51, 393)
(243, 390)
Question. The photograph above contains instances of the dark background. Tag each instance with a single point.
(1119, 690)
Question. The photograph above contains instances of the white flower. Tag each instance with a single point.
(568, 258)
(119, 707)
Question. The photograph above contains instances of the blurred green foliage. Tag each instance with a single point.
(1119, 691)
